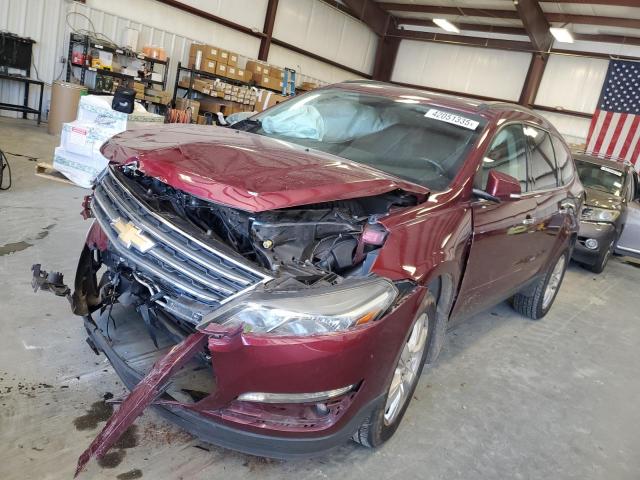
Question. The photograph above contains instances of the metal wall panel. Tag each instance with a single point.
(249, 13)
(307, 68)
(158, 18)
(487, 72)
(321, 29)
(572, 83)
(40, 20)
(573, 129)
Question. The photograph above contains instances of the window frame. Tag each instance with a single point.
(489, 146)
(571, 162)
(555, 162)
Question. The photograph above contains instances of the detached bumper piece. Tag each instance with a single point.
(150, 388)
(51, 282)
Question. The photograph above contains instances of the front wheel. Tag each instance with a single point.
(537, 303)
(384, 420)
(602, 260)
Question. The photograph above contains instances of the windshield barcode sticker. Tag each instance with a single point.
(611, 170)
(452, 118)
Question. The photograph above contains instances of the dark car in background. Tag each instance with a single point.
(610, 217)
(297, 271)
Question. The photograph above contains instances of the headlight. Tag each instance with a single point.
(315, 311)
(592, 214)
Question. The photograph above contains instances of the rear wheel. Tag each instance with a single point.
(537, 303)
(384, 420)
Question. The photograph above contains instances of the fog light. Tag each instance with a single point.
(591, 243)
(293, 397)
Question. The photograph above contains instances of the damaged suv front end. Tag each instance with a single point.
(234, 279)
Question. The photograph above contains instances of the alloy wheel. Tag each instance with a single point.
(407, 369)
(554, 283)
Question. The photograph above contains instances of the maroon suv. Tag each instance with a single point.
(277, 287)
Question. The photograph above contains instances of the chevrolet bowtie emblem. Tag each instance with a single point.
(129, 235)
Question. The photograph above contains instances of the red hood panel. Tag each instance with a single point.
(246, 171)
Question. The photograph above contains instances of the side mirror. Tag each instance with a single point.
(502, 186)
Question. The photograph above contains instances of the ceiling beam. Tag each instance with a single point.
(370, 13)
(535, 24)
(386, 54)
(600, 37)
(470, 27)
(513, 14)
(269, 22)
(617, 3)
(593, 20)
(537, 29)
(470, 12)
(463, 40)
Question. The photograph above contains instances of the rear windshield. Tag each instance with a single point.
(401, 136)
(600, 177)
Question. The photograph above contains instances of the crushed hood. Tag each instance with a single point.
(244, 170)
(600, 199)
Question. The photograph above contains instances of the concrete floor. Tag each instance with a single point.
(508, 398)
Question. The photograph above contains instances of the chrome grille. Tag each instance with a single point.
(181, 263)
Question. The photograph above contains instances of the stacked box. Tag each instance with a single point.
(185, 103)
(78, 157)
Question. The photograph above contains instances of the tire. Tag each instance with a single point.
(534, 304)
(599, 266)
(379, 426)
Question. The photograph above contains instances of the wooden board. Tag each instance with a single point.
(46, 170)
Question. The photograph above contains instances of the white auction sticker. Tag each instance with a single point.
(452, 118)
(611, 170)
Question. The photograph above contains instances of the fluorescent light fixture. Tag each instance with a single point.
(446, 25)
(561, 34)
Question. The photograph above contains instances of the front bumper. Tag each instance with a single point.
(604, 233)
(227, 436)
(248, 363)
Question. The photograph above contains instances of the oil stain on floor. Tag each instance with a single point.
(101, 411)
(14, 247)
(130, 475)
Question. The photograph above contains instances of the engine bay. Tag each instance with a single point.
(308, 242)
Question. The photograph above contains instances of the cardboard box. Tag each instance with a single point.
(208, 66)
(223, 56)
(276, 73)
(268, 99)
(194, 63)
(232, 61)
(184, 103)
(253, 66)
(307, 86)
(231, 72)
(221, 69)
(195, 48)
(266, 81)
(211, 53)
(210, 105)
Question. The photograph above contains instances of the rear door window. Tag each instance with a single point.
(563, 160)
(542, 161)
(507, 154)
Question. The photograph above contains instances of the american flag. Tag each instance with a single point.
(615, 127)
